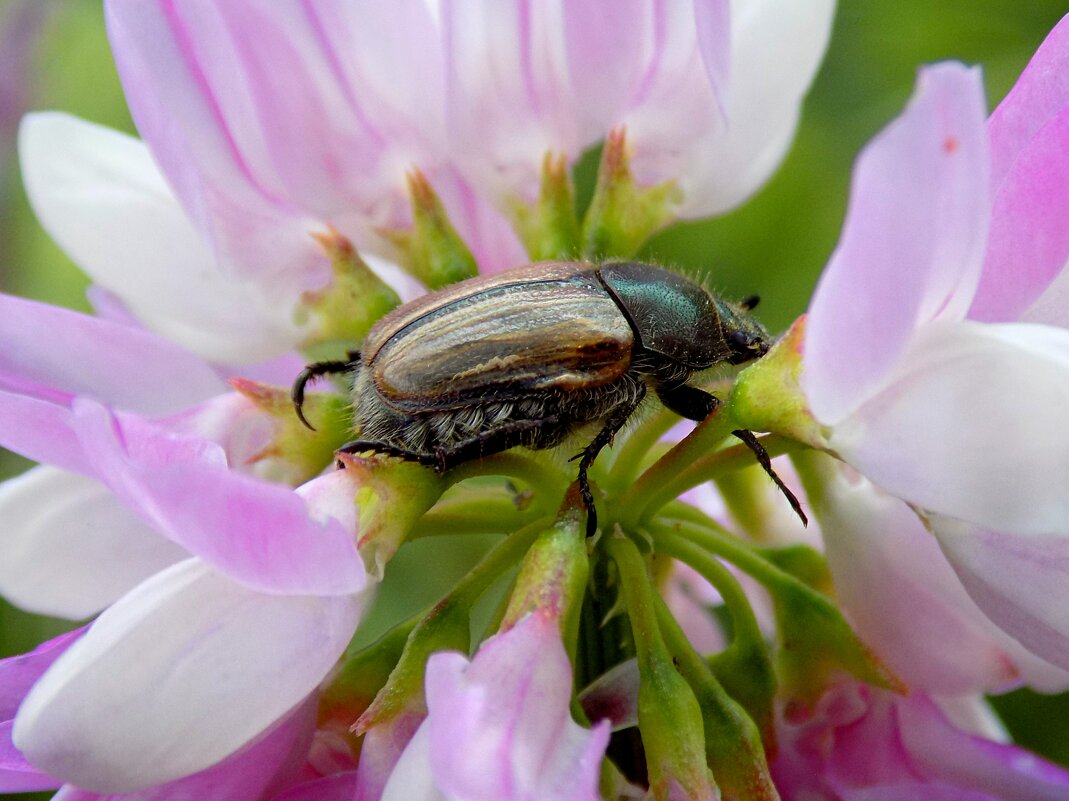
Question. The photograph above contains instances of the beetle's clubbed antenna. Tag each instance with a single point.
(314, 371)
(751, 442)
(749, 303)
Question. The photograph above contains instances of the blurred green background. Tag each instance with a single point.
(54, 55)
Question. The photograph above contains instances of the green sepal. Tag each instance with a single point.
(553, 576)
(447, 627)
(733, 744)
(549, 228)
(354, 300)
(393, 496)
(297, 453)
(622, 215)
(767, 395)
(669, 716)
(817, 644)
(431, 249)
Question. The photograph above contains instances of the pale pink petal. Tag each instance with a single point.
(972, 426)
(190, 98)
(252, 773)
(412, 778)
(905, 600)
(125, 707)
(911, 247)
(339, 787)
(102, 198)
(776, 47)
(1020, 581)
(507, 92)
(1029, 242)
(510, 706)
(263, 535)
(70, 548)
(691, 599)
(42, 431)
(713, 21)
(379, 754)
(53, 352)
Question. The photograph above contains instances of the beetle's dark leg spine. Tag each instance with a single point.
(313, 371)
(504, 436)
(614, 423)
(759, 451)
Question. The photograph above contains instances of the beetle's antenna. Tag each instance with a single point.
(749, 303)
(751, 442)
(310, 373)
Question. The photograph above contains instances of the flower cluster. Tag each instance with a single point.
(307, 167)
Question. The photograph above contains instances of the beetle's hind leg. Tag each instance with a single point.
(312, 372)
(587, 456)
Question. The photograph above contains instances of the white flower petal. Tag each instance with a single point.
(100, 195)
(70, 547)
(776, 47)
(973, 426)
(175, 676)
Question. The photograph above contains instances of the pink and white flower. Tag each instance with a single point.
(861, 743)
(509, 705)
(957, 228)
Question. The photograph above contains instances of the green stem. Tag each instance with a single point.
(743, 619)
(651, 490)
(478, 515)
(628, 462)
(499, 559)
(548, 484)
(706, 468)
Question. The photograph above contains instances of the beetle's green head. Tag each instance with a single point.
(746, 338)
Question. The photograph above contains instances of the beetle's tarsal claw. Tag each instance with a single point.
(751, 442)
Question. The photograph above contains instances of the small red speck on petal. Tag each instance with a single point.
(950, 144)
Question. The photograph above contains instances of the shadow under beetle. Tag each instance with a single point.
(530, 355)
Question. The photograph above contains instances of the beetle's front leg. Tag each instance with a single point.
(687, 401)
(586, 458)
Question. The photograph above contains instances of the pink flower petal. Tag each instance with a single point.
(125, 707)
(972, 426)
(101, 196)
(261, 534)
(1001, 771)
(53, 352)
(906, 602)
(41, 431)
(70, 547)
(1029, 242)
(912, 244)
(510, 706)
(1020, 581)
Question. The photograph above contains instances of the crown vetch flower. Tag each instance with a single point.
(935, 380)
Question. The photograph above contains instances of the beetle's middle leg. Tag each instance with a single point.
(586, 458)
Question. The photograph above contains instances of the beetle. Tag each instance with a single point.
(531, 355)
